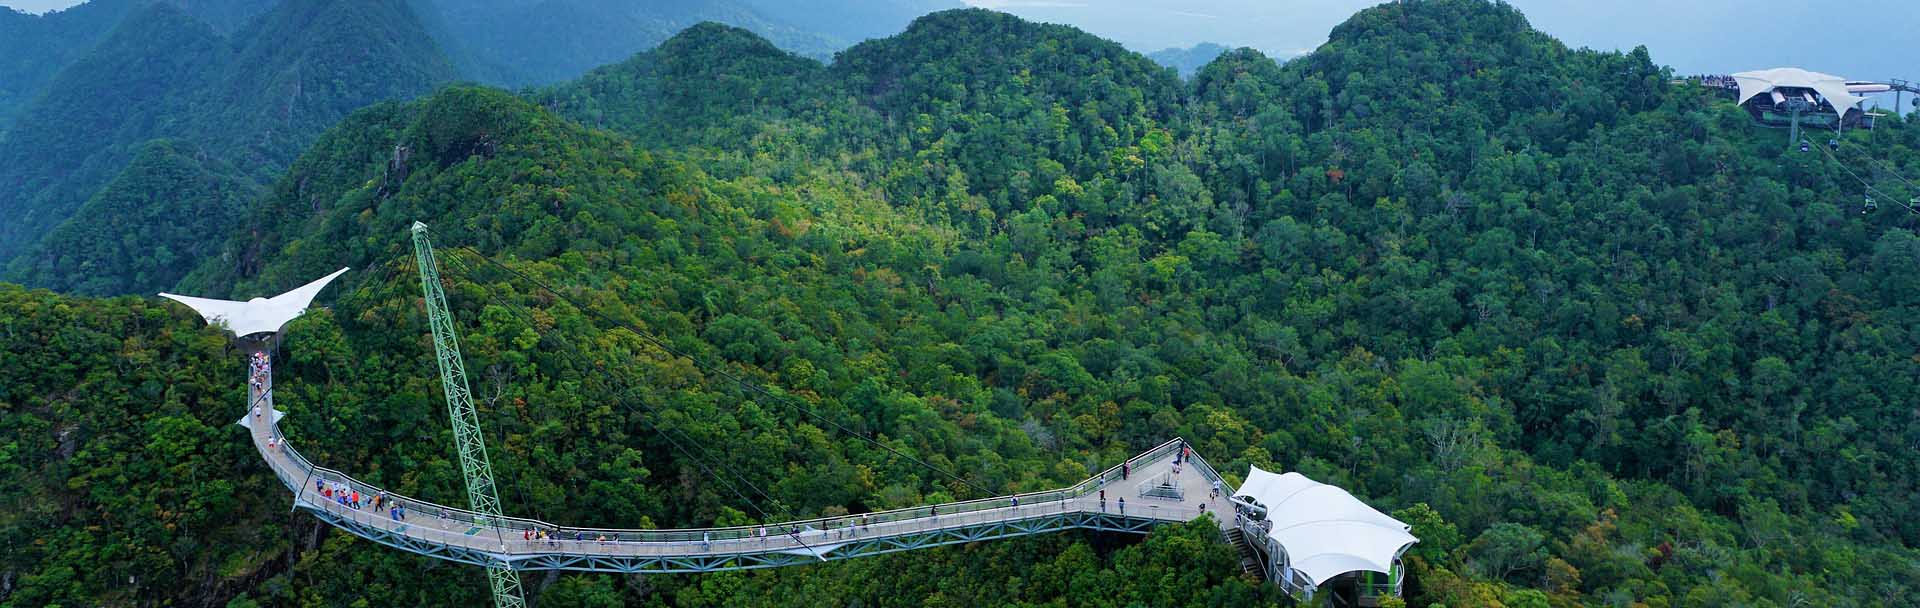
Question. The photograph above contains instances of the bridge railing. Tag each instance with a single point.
(1206, 470)
(339, 481)
(512, 527)
(308, 473)
(868, 520)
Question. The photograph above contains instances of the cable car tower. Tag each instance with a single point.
(467, 439)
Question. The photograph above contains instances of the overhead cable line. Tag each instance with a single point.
(1863, 182)
(1883, 165)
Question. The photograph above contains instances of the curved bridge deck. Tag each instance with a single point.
(464, 536)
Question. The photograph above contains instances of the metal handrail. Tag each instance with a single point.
(1084, 488)
(682, 535)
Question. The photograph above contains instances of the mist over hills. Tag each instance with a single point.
(1594, 335)
(1188, 60)
(533, 42)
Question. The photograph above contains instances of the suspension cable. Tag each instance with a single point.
(1843, 167)
(1856, 177)
(713, 369)
(1882, 165)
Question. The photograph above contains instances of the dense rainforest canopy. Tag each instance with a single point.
(1600, 339)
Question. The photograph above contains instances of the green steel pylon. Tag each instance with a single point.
(466, 423)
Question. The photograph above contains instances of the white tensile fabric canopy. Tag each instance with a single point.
(1830, 87)
(258, 315)
(1325, 530)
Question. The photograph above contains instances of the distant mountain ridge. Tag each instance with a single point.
(33, 48)
(1188, 60)
(253, 101)
(532, 42)
(252, 81)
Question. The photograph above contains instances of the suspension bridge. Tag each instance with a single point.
(462, 535)
(1280, 539)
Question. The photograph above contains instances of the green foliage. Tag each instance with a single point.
(140, 233)
(252, 101)
(1596, 338)
(1184, 565)
(120, 93)
(115, 428)
(33, 48)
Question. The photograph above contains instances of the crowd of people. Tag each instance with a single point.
(258, 375)
(1718, 81)
(258, 371)
(350, 497)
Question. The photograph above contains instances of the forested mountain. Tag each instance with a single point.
(83, 129)
(523, 42)
(1597, 337)
(145, 229)
(251, 86)
(252, 101)
(1188, 60)
(34, 48)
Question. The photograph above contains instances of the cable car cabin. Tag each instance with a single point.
(1789, 97)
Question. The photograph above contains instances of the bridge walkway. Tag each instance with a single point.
(1149, 483)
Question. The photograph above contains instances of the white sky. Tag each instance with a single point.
(1859, 39)
(38, 6)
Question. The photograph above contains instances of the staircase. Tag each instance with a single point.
(1249, 557)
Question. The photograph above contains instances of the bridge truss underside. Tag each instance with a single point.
(722, 561)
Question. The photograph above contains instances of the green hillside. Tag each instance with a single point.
(1599, 339)
(145, 229)
(34, 48)
(253, 101)
(253, 81)
(86, 126)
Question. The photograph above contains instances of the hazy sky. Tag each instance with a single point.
(1860, 39)
(37, 6)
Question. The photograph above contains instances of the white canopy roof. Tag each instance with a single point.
(1830, 87)
(258, 315)
(1325, 530)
